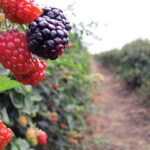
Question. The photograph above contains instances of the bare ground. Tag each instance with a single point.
(121, 122)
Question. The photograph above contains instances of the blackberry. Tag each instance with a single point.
(47, 37)
(57, 14)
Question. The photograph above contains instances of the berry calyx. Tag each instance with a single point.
(42, 138)
(34, 77)
(20, 11)
(5, 135)
(14, 53)
(55, 86)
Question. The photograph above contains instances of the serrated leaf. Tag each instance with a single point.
(6, 83)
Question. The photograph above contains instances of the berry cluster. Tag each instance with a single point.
(5, 135)
(47, 37)
(35, 136)
(20, 11)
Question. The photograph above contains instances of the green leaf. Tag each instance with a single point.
(22, 144)
(17, 100)
(36, 98)
(4, 115)
(6, 83)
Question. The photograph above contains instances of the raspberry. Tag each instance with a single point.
(33, 77)
(55, 86)
(5, 135)
(20, 11)
(57, 14)
(53, 119)
(47, 37)
(51, 104)
(23, 120)
(42, 138)
(14, 53)
(31, 135)
(47, 83)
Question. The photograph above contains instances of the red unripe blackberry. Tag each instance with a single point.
(47, 37)
(57, 14)
(33, 77)
(5, 135)
(20, 11)
(55, 86)
(14, 53)
(42, 138)
(68, 45)
(53, 119)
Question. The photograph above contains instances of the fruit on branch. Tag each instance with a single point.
(53, 119)
(20, 11)
(57, 14)
(33, 77)
(23, 120)
(47, 37)
(68, 45)
(5, 135)
(14, 53)
(42, 138)
(31, 135)
(55, 86)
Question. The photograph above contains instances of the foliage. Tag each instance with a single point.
(38, 104)
(132, 64)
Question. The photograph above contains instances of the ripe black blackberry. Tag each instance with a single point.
(57, 14)
(47, 37)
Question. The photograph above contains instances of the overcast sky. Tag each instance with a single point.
(120, 21)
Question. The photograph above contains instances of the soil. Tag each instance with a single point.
(120, 122)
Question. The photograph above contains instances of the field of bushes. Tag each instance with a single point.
(132, 64)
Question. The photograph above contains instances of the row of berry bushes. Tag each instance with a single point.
(54, 106)
(132, 64)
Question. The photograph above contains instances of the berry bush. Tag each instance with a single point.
(131, 63)
(42, 102)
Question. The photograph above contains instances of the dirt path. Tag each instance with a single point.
(121, 123)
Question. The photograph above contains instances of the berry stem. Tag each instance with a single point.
(23, 28)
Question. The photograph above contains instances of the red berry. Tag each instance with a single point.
(33, 77)
(51, 104)
(14, 53)
(53, 119)
(62, 125)
(5, 135)
(42, 138)
(20, 11)
(69, 45)
(55, 86)
(47, 83)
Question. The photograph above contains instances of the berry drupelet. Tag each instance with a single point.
(57, 14)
